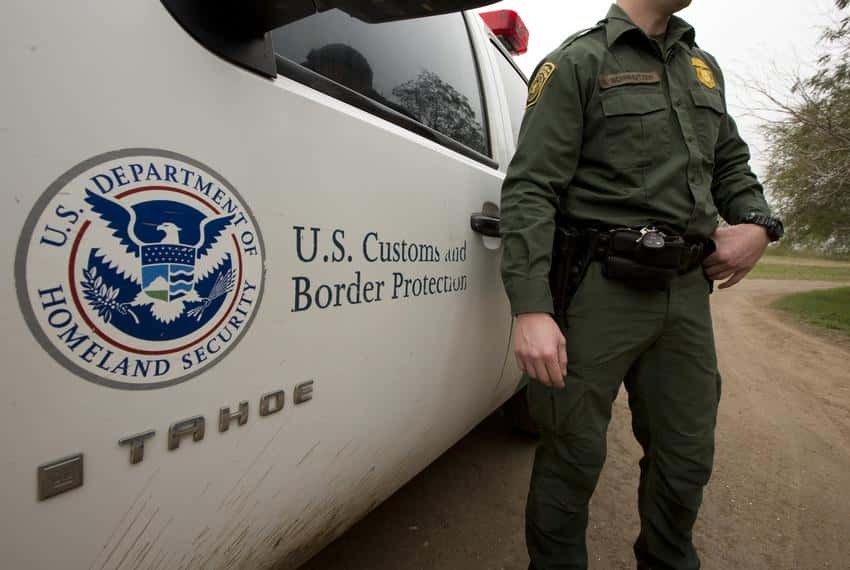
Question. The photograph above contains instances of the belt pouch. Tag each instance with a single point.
(635, 275)
(624, 243)
(629, 244)
(667, 257)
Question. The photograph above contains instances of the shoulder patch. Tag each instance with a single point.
(547, 69)
(539, 82)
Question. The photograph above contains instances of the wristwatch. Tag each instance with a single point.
(774, 227)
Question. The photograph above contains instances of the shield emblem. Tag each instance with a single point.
(704, 74)
(540, 80)
(168, 271)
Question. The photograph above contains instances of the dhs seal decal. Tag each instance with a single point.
(139, 269)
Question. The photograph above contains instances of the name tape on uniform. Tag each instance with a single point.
(631, 78)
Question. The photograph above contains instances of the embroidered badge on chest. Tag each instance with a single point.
(539, 82)
(704, 74)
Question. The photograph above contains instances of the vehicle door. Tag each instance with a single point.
(371, 335)
(401, 181)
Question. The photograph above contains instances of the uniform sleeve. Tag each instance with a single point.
(542, 167)
(735, 187)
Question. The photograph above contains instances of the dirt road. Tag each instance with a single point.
(779, 497)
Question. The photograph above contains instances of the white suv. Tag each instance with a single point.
(245, 301)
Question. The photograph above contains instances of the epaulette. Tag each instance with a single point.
(580, 34)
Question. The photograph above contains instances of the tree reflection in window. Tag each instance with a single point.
(423, 68)
(441, 107)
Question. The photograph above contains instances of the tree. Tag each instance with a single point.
(809, 148)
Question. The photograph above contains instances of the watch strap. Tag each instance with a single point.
(774, 227)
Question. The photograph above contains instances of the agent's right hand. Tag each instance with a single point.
(540, 348)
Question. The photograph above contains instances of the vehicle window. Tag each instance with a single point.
(423, 68)
(516, 91)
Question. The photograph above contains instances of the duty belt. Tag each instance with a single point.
(643, 246)
(646, 258)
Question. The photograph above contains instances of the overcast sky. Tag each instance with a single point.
(748, 38)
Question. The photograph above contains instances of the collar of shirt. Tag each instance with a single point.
(618, 23)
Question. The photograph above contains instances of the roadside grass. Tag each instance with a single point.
(803, 272)
(780, 250)
(829, 309)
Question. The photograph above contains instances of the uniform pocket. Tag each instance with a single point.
(708, 113)
(541, 404)
(635, 126)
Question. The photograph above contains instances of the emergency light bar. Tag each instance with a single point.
(509, 28)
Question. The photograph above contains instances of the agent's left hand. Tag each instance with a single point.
(738, 250)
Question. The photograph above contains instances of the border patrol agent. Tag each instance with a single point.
(626, 157)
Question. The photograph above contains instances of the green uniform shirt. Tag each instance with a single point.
(619, 131)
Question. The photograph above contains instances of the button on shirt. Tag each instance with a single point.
(621, 129)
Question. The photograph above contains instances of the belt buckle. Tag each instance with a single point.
(651, 238)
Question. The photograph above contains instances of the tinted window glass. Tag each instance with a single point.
(422, 68)
(516, 91)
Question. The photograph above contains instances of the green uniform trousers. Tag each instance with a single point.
(661, 344)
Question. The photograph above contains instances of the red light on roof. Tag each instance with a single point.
(509, 28)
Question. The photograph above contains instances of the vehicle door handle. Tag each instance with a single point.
(486, 225)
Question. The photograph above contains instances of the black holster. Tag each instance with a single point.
(568, 262)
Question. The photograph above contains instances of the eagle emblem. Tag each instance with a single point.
(180, 251)
(140, 268)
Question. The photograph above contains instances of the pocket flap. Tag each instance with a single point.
(631, 103)
(708, 98)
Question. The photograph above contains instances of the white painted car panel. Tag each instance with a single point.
(395, 382)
